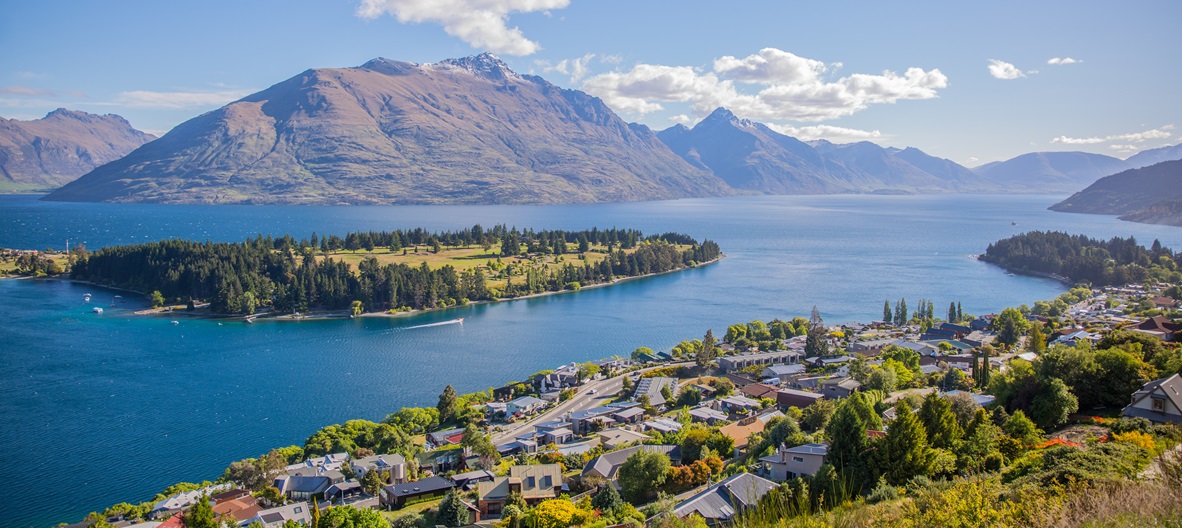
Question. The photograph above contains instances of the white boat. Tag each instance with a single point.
(97, 310)
(175, 322)
(86, 297)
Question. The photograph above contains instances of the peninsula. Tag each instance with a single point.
(383, 272)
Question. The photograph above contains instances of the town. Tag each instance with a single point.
(766, 417)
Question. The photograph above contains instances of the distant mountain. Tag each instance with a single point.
(466, 130)
(1050, 171)
(47, 153)
(1150, 195)
(1146, 158)
(750, 156)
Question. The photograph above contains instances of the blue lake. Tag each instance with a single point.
(99, 409)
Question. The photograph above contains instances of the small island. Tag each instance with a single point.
(388, 272)
(1080, 259)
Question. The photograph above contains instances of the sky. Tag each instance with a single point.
(971, 82)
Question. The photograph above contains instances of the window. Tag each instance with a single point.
(298, 509)
(797, 459)
(1159, 405)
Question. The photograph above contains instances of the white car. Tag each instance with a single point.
(592, 391)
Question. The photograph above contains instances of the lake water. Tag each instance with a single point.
(99, 409)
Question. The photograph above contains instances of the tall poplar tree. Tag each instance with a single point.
(886, 311)
(952, 313)
(447, 404)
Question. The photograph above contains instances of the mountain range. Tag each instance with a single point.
(459, 131)
(1151, 195)
(471, 130)
(46, 153)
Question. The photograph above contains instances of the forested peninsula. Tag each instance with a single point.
(1080, 259)
(387, 271)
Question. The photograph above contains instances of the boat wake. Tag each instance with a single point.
(459, 321)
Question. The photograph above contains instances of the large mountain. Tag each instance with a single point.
(1150, 195)
(1149, 157)
(1050, 171)
(47, 153)
(751, 156)
(465, 130)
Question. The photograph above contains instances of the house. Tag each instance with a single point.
(398, 495)
(1163, 303)
(652, 387)
(742, 430)
(736, 404)
(719, 503)
(1160, 327)
(275, 517)
(708, 416)
(519, 445)
(830, 361)
(1159, 401)
(661, 425)
(870, 347)
(604, 417)
(392, 464)
(180, 501)
(239, 508)
(758, 391)
(742, 361)
(561, 435)
(786, 398)
(792, 462)
(343, 491)
(614, 438)
(441, 461)
(469, 480)
(782, 372)
(838, 388)
(301, 487)
(555, 381)
(444, 438)
(535, 483)
(524, 406)
(982, 400)
(1075, 337)
(607, 465)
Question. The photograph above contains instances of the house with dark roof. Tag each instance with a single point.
(399, 495)
(758, 391)
(708, 416)
(1159, 401)
(393, 465)
(720, 503)
(792, 462)
(652, 387)
(1160, 327)
(839, 388)
(469, 480)
(782, 372)
(535, 483)
(786, 398)
(607, 465)
(300, 487)
(342, 491)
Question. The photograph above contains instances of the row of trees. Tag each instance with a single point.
(1083, 259)
(243, 277)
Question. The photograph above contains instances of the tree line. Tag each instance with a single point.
(286, 275)
(1083, 259)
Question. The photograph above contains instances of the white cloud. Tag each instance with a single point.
(681, 119)
(611, 59)
(575, 68)
(1064, 60)
(480, 23)
(177, 100)
(835, 134)
(1003, 70)
(788, 88)
(1134, 137)
(972, 159)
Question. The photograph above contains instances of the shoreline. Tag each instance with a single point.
(1066, 281)
(202, 312)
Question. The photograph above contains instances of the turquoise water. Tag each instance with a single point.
(105, 408)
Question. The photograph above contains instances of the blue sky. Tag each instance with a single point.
(900, 74)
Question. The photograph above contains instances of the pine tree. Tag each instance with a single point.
(452, 511)
(816, 343)
(447, 404)
(905, 450)
(939, 422)
(847, 437)
(708, 352)
(1036, 342)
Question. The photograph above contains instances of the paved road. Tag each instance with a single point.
(605, 391)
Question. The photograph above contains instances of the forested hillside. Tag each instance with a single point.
(290, 275)
(1083, 259)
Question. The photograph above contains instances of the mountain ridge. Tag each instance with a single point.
(1151, 195)
(466, 130)
(49, 152)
